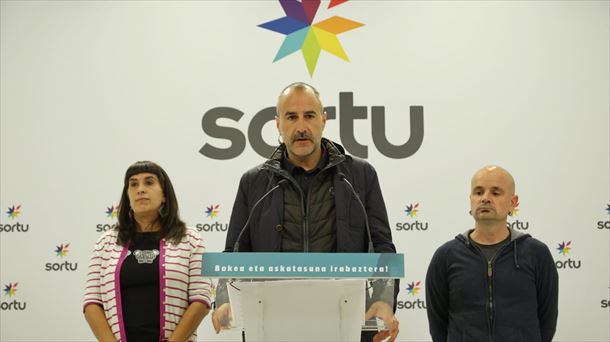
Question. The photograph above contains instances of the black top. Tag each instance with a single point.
(302, 176)
(140, 289)
(490, 250)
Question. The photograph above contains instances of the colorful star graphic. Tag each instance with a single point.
(112, 211)
(412, 210)
(564, 248)
(302, 34)
(608, 209)
(10, 289)
(62, 250)
(212, 211)
(14, 212)
(413, 288)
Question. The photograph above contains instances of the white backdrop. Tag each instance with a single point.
(87, 88)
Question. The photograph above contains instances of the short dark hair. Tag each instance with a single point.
(172, 228)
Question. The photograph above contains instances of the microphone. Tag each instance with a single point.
(366, 219)
(277, 186)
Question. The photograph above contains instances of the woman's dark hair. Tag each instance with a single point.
(172, 228)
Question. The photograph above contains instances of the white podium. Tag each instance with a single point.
(299, 310)
(303, 296)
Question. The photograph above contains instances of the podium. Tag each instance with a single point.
(304, 296)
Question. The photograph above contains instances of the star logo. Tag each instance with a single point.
(608, 209)
(14, 211)
(302, 34)
(413, 288)
(112, 212)
(10, 289)
(564, 247)
(515, 210)
(212, 211)
(62, 250)
(412, 210)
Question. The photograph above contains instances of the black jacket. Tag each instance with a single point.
(262, 235)
(522, 285)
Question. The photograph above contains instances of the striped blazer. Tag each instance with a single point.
(181, 282)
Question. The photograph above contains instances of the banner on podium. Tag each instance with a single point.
(303, 265)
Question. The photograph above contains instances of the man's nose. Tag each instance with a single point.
(300, 125)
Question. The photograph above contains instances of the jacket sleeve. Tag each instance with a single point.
(93, 289)
(239, 215)
(377, 214)
(199, 289)
(381, 234)
(547, 293)
(437, 296)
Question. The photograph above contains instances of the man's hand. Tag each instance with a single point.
(384, 311)
(221, 317)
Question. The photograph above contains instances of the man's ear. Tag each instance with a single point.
(514, 202)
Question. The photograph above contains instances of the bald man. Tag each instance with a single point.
(492, 283)
(315, 211)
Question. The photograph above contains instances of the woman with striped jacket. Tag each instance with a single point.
(144, 279)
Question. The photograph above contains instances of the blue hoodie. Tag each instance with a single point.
(513, 298)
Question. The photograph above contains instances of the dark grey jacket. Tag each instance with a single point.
(263, 233)
(511, 299)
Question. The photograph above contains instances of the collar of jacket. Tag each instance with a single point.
(336, 155)
(515, 237)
